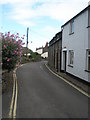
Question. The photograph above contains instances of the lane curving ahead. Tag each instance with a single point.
(43, 95)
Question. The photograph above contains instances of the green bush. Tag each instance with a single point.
(35, 57)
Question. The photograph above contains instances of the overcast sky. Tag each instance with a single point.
(43, 17)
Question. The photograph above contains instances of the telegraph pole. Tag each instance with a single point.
(27, 41)
(27, 38)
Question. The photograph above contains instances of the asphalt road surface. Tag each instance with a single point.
(43, 95)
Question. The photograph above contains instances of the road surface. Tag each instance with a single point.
(43, 95)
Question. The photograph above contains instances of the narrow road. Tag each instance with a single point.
(43, 95)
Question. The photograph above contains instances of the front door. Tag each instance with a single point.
(57, 62)
(64, 60)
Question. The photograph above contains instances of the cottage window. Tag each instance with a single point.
(88, 60)
(71, 57)
(72, 27)
(89, 17)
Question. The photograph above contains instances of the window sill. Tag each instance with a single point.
(88, 26)
(70, 66)
(71, 33)
(87, 70)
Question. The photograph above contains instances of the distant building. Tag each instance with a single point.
(44, 55)
(39, 50)
(43, 51)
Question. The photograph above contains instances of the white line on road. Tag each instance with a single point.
(41, 67)
(15, 105)
(12, 100)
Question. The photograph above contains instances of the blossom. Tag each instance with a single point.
(8, 34)
(5, 46)
(15, 51)
(22, 37)
(12, 35)
(5, 39)
(15, 41)
(2, 35)
(5, 34)
(8, 59)
(17, 36)
(12, 50)
(23, 43)
(17, 33)
(11, 40)
(19, 41)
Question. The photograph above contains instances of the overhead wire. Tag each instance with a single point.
(40, 35)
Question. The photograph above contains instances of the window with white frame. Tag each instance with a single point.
(89, 17)
(88, 60)
(71, 57)
(72, 27)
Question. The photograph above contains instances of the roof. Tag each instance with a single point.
(88, 7)
(55, 38)
(39, 48)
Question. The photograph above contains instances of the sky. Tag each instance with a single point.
(43, 17)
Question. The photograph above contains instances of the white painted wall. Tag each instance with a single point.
(39, 51)
(79, 43)
(44, 55)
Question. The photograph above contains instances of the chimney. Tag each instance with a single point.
(46, 46)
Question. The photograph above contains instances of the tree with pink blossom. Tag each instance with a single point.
(11, 50)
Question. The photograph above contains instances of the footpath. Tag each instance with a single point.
(7, 89)
(85, 86)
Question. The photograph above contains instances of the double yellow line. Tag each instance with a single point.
(13, 106)
(72, 85)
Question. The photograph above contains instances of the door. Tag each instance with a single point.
(64, 60)
(57, 61)
(60, 59)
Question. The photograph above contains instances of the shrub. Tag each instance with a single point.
(11, 50)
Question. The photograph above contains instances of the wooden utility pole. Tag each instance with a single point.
(27, 42)
(27, 38)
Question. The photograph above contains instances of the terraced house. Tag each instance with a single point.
(69, 50)
(54, 52)
(76, 45)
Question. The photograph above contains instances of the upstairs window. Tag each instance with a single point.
(72, 27)
(71, 57)
(89, 17)
(88, 60)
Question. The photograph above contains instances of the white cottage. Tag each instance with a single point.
(39, 50)
(76, 45)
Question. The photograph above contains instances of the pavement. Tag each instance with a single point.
(76, 81)
(7, 96)
(41, 94)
